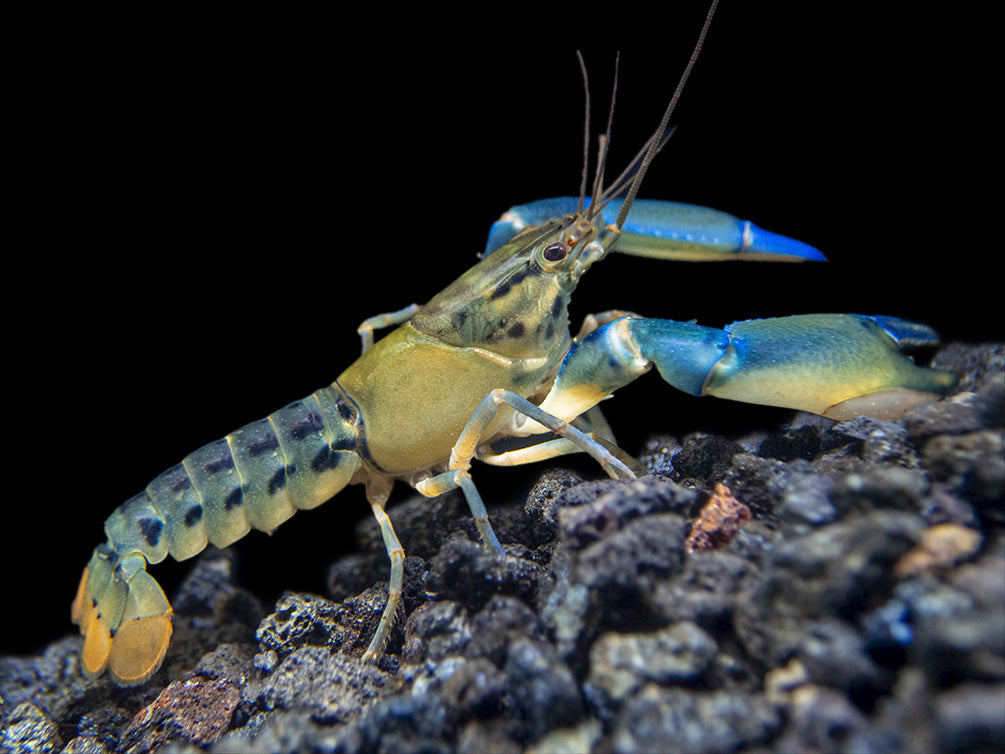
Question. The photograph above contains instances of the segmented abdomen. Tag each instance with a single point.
(255, 477)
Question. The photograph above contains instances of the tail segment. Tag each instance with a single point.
(124, 616)
(256, 477)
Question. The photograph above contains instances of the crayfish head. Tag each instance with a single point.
(514, 302)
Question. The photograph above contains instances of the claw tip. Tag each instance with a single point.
(775, 245)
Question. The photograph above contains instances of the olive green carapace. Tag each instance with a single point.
(502, 325)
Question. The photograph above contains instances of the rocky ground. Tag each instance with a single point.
(822, 587)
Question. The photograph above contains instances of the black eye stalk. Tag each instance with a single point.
(555, 252)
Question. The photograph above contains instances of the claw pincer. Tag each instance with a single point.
(665, 230)
(837, 365)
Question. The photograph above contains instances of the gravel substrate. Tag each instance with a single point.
(819, 587)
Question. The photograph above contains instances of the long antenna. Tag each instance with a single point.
(586, 134)
(605, 140)
(620, 183)
(654, 142)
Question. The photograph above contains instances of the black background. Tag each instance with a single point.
(206, 208)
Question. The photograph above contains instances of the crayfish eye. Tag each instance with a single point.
(555, 252)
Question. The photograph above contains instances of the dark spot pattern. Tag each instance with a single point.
(263, 444)
(193, 516)
(277, 482)
(180, 482)
(307, 427)
(181, 485)
(221, 464)
(344, 443)
(500, 291)
(151, 529)
(325, 459)
(223, 461)
(345, 410)
(234, 499)
(516, 330)
(517, 277)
